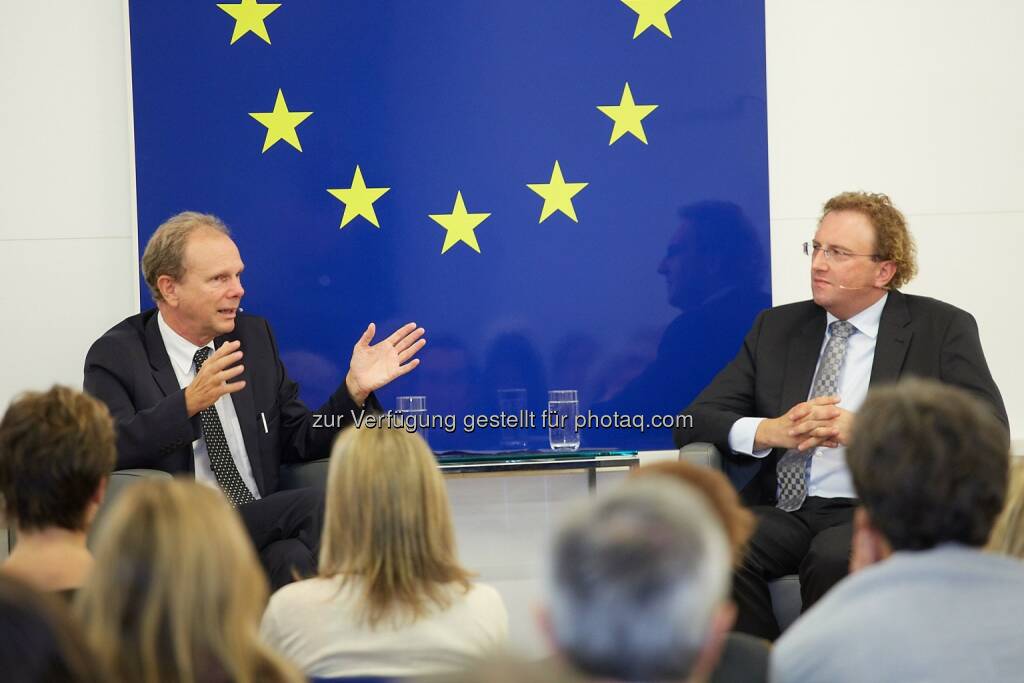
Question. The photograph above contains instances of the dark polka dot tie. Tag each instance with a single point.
(794, 467)
(221, 462)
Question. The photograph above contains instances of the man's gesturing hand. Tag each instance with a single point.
(793, 430)
(374, 366)
(211, 382)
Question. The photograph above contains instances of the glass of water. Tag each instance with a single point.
(563, 407)
(512, 405)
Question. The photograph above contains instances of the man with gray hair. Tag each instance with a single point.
(640, 585)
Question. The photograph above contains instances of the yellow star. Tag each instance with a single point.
(557, 194)
(281, 123)
(249, 16)
(627, 116)
(460, 225)
(359, 199)
(651, 13)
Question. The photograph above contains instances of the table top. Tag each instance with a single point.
(507, 461)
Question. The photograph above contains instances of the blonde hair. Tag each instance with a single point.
(893, 241)
(176, 593)
(165, 251)
(388, 526)
(1008, 534)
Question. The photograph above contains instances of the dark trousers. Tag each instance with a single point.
(813, 542)
(285, 528)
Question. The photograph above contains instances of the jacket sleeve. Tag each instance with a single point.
(963, 363)
(728, 397)
(149, 438)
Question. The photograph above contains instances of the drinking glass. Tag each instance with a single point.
(413, 409)
(563, 407)
(512, 403)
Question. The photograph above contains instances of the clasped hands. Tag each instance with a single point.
(371, 367)
(807, 425)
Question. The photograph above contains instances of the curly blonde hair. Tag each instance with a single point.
(892, 238)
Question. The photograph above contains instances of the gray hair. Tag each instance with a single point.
(637, 577)
(165, 251)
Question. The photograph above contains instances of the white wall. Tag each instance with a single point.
(67, 230)
(917, 99)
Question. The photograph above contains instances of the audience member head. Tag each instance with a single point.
(1008, 534)
(929, 464)
(737, 520)
(640, 584)
(388, 525)
(177, 593)
(39, 642)
(57, 450)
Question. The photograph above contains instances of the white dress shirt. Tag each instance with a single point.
(830, 477)
(182, 352)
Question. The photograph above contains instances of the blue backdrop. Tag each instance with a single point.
(636, 304)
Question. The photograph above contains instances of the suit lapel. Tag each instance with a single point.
(159, 361)
(801, 359)
(245, 409)
(893, 340)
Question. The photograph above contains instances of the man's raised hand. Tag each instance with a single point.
(211, 382)
(373, 366)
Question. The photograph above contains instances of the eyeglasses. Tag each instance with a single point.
(833, 254)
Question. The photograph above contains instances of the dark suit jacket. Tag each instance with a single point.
(128, 369)
(773, 370)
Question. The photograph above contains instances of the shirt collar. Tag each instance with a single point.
(180, 350)
(867, 321)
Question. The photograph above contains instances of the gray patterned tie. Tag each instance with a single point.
(794, 467)
(221, 462)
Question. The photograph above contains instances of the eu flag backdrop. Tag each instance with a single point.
(566, 194)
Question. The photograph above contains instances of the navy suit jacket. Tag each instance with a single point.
(128, 369)
(917, 336)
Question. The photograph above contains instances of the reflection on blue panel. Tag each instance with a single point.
(636, 304)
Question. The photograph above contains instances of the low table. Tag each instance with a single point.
(531, 462)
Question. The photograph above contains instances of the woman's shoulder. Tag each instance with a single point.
(483, 592)
(308, 591)
(484, 606)
(484, 597)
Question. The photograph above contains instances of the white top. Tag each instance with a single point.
(316, 626)
(830, 477)
(182, 352)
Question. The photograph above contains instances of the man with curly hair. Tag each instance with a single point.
(782, 411)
